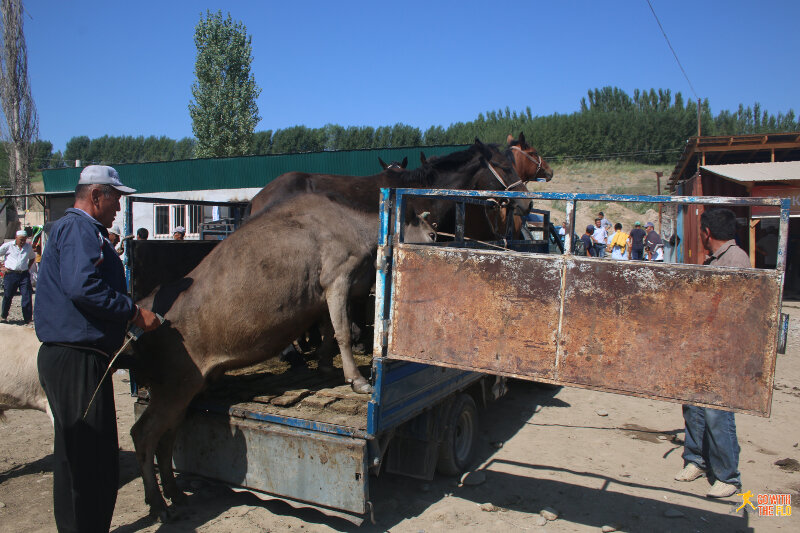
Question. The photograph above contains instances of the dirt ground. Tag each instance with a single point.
(540, 447)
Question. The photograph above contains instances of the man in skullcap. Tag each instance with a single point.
(18, 256)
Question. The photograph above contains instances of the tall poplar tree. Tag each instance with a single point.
(21, 124)
(224, 110)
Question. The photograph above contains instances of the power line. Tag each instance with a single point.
(673, 50)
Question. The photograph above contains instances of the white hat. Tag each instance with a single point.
(115, 230)
(22, 233)
(103, 175)
(179, 229)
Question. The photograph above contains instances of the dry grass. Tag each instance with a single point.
(598, 178)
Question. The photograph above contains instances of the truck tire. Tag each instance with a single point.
(460, 438)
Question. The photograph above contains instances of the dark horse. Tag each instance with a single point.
(504, 219)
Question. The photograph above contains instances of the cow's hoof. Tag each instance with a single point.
(178, 498)
(163, 515)
(361, 386)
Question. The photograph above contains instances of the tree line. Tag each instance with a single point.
(650, 126)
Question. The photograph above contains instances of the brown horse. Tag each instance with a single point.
(504, 219)
(527, 161)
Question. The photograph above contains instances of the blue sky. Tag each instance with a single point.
(126, 68)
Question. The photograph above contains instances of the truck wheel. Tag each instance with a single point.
(460, 437)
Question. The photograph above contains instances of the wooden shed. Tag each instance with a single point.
(745, 166)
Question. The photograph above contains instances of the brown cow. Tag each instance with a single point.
(243, 303)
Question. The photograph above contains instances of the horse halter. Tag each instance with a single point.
(500, 179)
(526, 154)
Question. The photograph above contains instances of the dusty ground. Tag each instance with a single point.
(556, 451)
(594, 470)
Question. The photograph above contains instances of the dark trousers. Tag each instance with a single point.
(637, 255)
(86, 454)
(11, 282)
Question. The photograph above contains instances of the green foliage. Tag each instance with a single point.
(649, 127)
(111, 150)
(224, 111)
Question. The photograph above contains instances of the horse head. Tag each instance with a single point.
(394, 165)
(527, 161)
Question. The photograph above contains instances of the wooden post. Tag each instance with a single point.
(753, 224)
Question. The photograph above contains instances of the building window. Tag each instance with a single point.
(195, 218)
(169, 217)
(178, 216)
(162, 220)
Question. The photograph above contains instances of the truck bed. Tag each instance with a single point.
(272, 389)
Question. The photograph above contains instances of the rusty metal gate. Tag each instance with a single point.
(685, 333)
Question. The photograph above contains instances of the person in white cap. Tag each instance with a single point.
(115, 237)
(179, 233)
(82, 313)
(18, 256)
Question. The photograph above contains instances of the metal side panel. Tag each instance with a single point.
(325, 470)
(685, 333)
(489, 311)
(408, 389)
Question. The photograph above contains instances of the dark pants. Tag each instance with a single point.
(11, 282)
(637, 255)
(86, 454)
(711, 443)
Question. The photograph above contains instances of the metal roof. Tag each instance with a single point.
(730, 149)
(247, 171)
(757, 172)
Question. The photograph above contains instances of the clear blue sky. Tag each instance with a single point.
(125, 68)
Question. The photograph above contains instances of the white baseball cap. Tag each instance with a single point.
(179, 229)
(103, 175)
(22, 233)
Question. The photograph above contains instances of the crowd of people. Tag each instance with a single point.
(20, 260)
(602, 239)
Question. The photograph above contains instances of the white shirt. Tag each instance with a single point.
(17, 258)
(600, 235)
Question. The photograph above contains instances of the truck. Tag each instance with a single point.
(452, 321)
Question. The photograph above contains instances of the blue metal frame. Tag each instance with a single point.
(573, 198)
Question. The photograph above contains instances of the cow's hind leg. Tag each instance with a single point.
(337, 306)
(164, 457)
(163, 415)
(146, 433)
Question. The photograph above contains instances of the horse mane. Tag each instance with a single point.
(425, 176)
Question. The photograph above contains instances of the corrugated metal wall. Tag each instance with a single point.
(243, 172)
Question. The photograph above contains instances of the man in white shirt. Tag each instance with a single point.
(599, 238)
(18, 257)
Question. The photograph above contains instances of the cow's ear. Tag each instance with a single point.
(384, 165)
(422, 158)
(509, 139)
(404, 164)
(522, 142)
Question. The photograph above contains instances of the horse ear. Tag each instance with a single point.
(404, 164)
(509, 139)
(384, 165)
(422, 158)
(522, 142)
(482, 148)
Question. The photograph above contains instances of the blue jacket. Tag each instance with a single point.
(81, 294)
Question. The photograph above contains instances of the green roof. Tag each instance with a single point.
(245, 172)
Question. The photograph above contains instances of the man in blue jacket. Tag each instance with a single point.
(82, 313)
